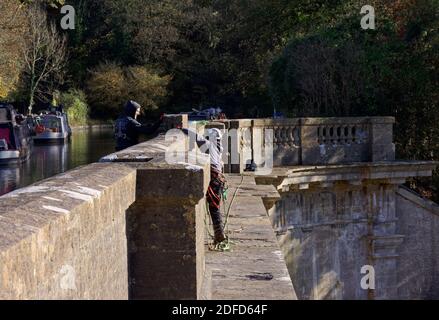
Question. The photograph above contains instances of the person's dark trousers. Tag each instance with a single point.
(213, 195)
(217, 222)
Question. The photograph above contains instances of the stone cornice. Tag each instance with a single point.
(394, 172)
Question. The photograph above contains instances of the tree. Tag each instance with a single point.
(336, 68)
(75, 104)
(111, 85)
(173, 37)
(44, 55)
(12, 30)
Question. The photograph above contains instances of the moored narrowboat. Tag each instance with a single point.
(52, 127)
(15, 138)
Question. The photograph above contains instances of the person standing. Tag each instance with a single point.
(213, 146)
(127, 129)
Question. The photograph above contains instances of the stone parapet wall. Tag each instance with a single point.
(418, 267)
(308, 141)
(65, 237)
(131, 226)
(166, 233)
(165, 224)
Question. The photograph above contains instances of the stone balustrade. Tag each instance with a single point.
(308, 141)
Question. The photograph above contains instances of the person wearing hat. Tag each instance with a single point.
(214, 147)
(127, 129)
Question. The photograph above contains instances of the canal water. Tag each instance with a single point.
(86, 146)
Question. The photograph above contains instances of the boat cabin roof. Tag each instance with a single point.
(7, 113)
(43, 116)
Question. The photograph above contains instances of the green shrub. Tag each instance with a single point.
(76, 106)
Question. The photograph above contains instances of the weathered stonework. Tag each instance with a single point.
(166, 243)
(418, 263)
(310, 141)
(333, 220)
(134, 226)
(64, 238)
(165, 226)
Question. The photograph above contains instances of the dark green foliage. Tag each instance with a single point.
(75, 104)
(342, 70)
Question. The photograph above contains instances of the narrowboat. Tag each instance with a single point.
(52, 127)
(15, 138)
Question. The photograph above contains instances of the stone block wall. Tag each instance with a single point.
(418, 265)
(323, 235)
(65, 237)
(130, 227)
(165, 224)
(332, 221)
(166, 233)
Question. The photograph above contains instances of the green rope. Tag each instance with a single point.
(224, 246)
(232, 201)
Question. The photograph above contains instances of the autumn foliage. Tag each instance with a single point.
(110, 85)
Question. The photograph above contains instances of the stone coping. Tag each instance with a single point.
(393, 171)
(418, 200)
(271, 122)
(154, 152)
(150, 158)
(73, 223)
(311, 121)
(348, 120)
(28, 210)
(373, 166)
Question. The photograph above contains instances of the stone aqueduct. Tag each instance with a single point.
(133, 226)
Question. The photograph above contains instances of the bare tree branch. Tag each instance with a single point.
(44, 52)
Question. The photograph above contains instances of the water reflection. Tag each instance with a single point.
(85, 147)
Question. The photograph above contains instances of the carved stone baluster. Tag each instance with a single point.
(366, 133)
(359, 134)
(331, 134)
(279, 137)
(339, 133)
(291, 136)
(284, 136)
(297, 137)
(347, 135)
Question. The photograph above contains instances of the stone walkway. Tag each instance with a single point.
(255, 268)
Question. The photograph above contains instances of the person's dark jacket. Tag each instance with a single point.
(127, 129)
